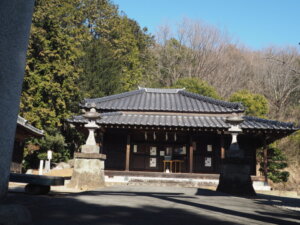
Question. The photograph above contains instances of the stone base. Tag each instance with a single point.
(235, 179)
(87, 174)
(90, 149)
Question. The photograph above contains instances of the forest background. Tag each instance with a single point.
(83, 48)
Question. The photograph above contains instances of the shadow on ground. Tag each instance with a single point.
(141, 208)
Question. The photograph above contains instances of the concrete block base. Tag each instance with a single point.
(87, 174)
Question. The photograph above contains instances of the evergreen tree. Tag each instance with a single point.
(50, 89)
(116, 57)
(277, 162)
(101, 71)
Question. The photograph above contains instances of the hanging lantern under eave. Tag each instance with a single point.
(146, 136)
(154, 136)
(167, 136)
(175, 137)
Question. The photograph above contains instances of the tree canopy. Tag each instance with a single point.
(256, 104)
(79, 49)
(50, 86)
(197, 86)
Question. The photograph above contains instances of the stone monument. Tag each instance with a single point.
(88, 170)
(235, 171)
(15, 22)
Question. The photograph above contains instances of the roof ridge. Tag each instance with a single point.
(162, 90)
(232, 105)
(85, 102)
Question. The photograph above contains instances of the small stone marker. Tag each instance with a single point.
(48, 162)
(41, 167)
(47, 166)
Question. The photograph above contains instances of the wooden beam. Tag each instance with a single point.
(127, 153)
(222, 147)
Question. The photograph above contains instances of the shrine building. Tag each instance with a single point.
(173, 130)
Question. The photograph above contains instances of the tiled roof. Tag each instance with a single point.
(258, 123)
(164, 100)
(118, 118)
(24, 123)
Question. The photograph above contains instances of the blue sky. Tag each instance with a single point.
(255, 23)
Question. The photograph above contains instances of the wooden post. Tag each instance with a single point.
(266, 163)
(222, 148)
(101, 134)
(192, 147)
(127, 153)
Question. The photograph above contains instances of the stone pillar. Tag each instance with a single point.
(88, 172)
(15, 24)
(235, 171)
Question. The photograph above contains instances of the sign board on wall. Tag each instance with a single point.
(207, 162)
(209, 148)
(152, 162)
(134, 148)
(152, 150)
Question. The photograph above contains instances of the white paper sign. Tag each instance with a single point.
(152, 162)
(207, 161)
(184, 150)
(162, 153)
(134, 148)
(209, 148)
(152, 150)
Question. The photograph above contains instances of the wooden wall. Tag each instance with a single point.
(115, 140)
(114, 145)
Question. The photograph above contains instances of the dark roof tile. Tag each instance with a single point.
(165, 100)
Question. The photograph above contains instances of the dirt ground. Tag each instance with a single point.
(60, 173)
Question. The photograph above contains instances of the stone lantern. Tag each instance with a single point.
(90, 145)
(235, 171)
(235, 151)
(88, 170)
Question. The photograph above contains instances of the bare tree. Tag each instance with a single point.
(193, 50)
(196, 49)
(278, 74)
(235, 71)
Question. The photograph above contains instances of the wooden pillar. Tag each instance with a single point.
(127, 153)
(192, 147)
(222, 148)
(101, 134)
(266, 162)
